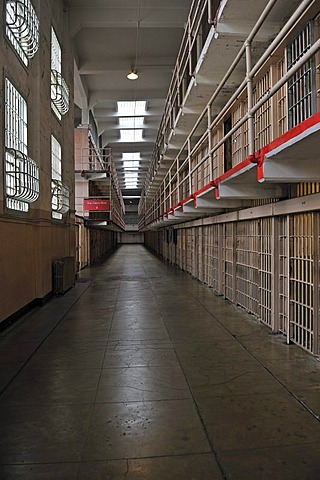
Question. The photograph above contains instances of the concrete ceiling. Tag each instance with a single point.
(110, 38)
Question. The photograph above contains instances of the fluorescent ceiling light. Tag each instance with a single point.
(132, 108)
(131, 122)
(133, 135)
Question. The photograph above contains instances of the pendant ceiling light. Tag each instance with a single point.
(133, 75)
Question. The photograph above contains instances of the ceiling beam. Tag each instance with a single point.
(92, 67)
(155, 17)
(110, 94)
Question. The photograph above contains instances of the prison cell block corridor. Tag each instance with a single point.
(142, 372)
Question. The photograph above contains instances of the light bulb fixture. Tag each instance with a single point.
(133, 75)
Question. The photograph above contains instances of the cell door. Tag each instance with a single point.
(228, 264)
(303, 313)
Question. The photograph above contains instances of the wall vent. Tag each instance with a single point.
(63, 275)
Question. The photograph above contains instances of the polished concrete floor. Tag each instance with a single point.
(140, 372)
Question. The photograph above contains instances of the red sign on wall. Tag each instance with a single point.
(96, 205)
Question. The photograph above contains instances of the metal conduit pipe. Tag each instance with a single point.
(261, 19)
(211, 18)
(197, 27)
(249, 81)
(210, 143)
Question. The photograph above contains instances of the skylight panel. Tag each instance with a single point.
(131, 175)
(130, 180)
(131, 164)
(131, 122)
(132, 108)
(134, 135)
(131, 185)
(131, 156)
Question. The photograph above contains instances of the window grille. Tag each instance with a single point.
(59, 88)
(59, 94)
(22, 28)
(301, 87)
(21, 172)
(22, 178)
(56, 159)
(16, 130)
(60, 198)
(60, 193)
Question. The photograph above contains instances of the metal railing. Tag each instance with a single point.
(177, 182)
(201, 16)
(93, 160)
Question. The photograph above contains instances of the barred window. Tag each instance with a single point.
(22, 28)
(301, 87)
(21, 172)
(59, 88)
(60, 193)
